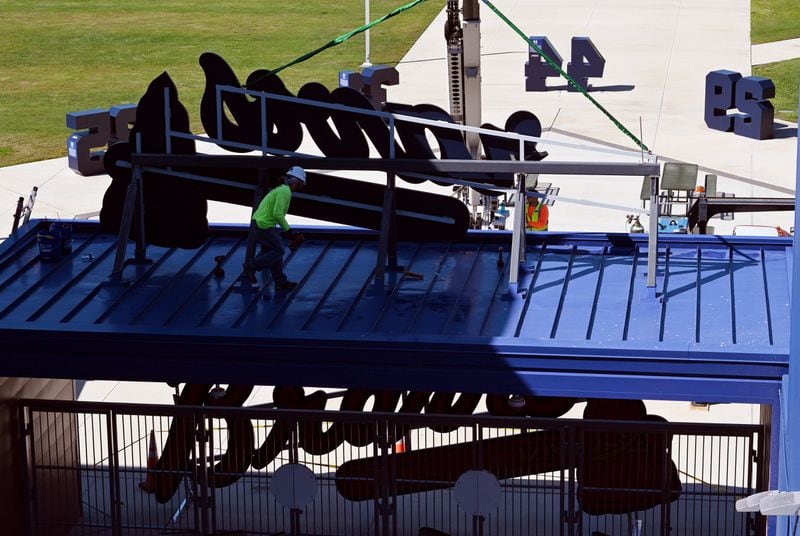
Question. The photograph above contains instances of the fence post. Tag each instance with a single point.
(294, 513)
(113, 473)
(202, 472)
(385, 507)
(28, 469)
(572, 464)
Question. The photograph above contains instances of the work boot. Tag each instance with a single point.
(249, 275)
(285, 285)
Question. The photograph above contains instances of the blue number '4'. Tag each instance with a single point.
(537, 70)
(586, 61)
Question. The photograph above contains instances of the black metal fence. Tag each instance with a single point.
(266, 471)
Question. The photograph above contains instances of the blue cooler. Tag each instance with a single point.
(49, 245)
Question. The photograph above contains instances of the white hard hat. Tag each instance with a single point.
(298, 173)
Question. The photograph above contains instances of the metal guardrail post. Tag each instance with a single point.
(387, 243)
(518, 233)
(652, 239)
(133, 197)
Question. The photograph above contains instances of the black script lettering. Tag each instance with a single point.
(176, 458)
(278, 438)
(348, 141)
(352, 129)
(283, 129)
(414, 139)
(160, 191)
(442, 403)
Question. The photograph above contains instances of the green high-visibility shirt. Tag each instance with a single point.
(273, 208)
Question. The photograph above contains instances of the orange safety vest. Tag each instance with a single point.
(537, 217)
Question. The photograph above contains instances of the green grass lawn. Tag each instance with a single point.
(785, 75)
(774, 20)
(60, 56)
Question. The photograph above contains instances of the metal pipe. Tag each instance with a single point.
(367, 61)
(652, 239)
(471, 10)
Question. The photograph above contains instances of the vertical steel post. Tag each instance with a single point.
(472, 73)
(518, 233)
(652, 239)
(128, 212)
(367, 61)
(789, 431)
(387, 242)
(140, 252)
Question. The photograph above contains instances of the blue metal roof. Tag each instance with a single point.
(582, 324)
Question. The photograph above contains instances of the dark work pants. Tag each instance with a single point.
(271, 255)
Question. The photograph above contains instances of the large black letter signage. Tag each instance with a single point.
(750, 95)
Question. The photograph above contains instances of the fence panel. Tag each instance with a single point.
(208, 470)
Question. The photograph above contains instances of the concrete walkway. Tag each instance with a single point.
(775, 51)
(657, 57)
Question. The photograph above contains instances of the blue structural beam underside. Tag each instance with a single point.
(404, 363)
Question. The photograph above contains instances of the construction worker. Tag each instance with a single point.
(272, 227)
(537, 216)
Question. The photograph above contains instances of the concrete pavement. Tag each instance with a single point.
(788, 49)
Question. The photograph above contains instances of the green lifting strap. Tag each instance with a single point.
(341, 39)
(569, 79)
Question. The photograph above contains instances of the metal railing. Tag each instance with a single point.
(267, 471)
